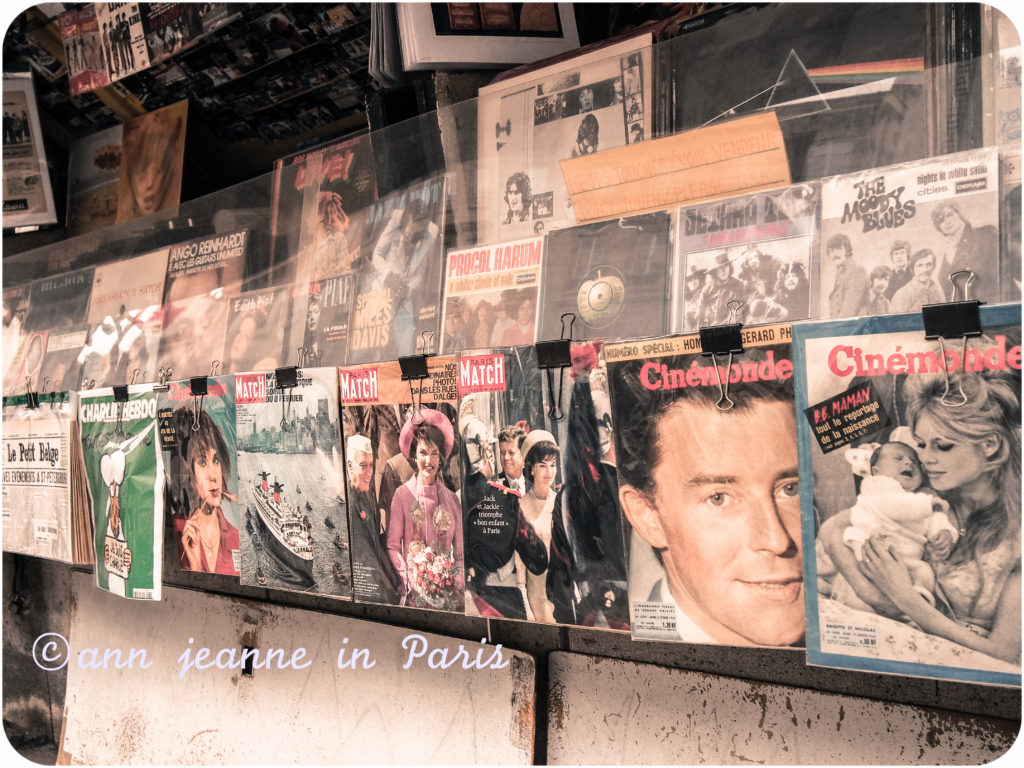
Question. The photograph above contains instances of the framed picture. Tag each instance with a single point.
(28, 196)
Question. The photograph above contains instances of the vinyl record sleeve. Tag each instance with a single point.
(258, 330)
(37, 456)
(61, 301)
(398, 294)
(577, 575)
(578, 106)
(125, 472)
(197, 436)
(710, 493)
(15, 309)
(757, 248)
(879, 226)
(152, 161)
(94, 165)
(612, 275)
(491, 295)
(890, 476)
(405, 525)
(291, 484)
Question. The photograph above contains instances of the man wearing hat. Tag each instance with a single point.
(495, 530)
(372, 570)
(694, 285)
(723, 288)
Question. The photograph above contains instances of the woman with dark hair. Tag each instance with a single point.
(540, 452)
(971, 455)
(206, 540)
(426, 517)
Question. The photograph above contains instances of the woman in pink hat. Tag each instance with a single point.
(424, 538)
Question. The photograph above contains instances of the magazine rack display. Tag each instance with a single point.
(638, 190)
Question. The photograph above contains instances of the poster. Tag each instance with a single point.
(197, 436)
(152, 157)
(125, 472)
(28, 196)
(758, 249)
(891, 237)
(405, 517)
(576, 107)
(291, 484)
(910, 496)
(491, 295)
(710, 492)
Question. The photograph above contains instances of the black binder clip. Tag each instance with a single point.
(287, 377)
(198, 388)
(950, 320)
(32, 398)
(556, 353)
(721, 340)
(414, 368)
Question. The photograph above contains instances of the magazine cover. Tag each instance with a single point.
(404, 475)
(125, 471)
(756, 248)
(399, 275)
(197, 435)
(491, 295)
(328, 309)
(258, 331)
(15, 310)
(576, 107)
(890, 237)
(39, 446)
(202, 275)
(291, 484)
(124, 320)
(543, 537)
(152, 158)
(709, 492)
(611, 275)
(910, 488)
(94, 171)
(1010, 223)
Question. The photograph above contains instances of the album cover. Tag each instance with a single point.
(125, 472)
(709, 488)
(404, 474)
(910, 490)
(15, 310)
(171, 28)
(611, 275)
(61, 301)
(152, 158)
(39, 448)
(291, 484)
(543, 536)
(328, 309)
(398, 295)
(891, 237)
(124, 321)
(94, 171)
(491, 295)
(85, 50)
(1010, 224)
(757, 249)
(57, 324)
(575, 107)
(202, 276)
(258, 329)
(123, 39)
(197, 436)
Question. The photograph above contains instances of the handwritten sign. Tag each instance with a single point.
(733, 158)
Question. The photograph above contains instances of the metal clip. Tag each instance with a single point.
(949, 320)
(165, 374)
(720, 340)
(414, 367)
(556, 353)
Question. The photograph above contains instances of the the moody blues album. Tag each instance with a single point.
(294, 528)
(125, 472)
(910, 488)
(757, 248)
(404, 473)
(611, 275)
(398, 294)
(891, 237)
(197, 433)
(543, 536)
(491, 295)
(708, 485)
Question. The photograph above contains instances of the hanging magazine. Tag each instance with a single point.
(45, 512)
(910, 488)
(124, 467)
(404, 472)
(291, 484)
(197, 433)
(891, 237)
(707, 458)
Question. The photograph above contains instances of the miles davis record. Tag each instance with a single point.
(611, 275)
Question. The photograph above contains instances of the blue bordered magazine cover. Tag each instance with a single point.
(910, 496)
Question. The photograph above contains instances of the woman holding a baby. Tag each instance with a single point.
(972, 457)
